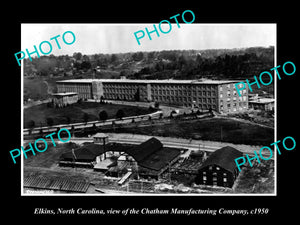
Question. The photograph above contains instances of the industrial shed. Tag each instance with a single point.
(219, 169)
(149, 158)
(153, 159)
(81, 157)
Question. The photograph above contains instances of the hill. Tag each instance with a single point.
(168, 64)
(177, 64)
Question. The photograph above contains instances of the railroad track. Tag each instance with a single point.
(172, 144)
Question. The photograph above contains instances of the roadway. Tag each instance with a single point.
(97, 123)
(165, 110)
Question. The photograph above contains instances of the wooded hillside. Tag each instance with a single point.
(176, 64)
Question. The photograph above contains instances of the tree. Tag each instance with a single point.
(85, 58)
(137, 56)
(181, 62)
(68, 119)
(159, 66)
(120, 114)
(137, 95)
(49, 121)
(77, 65)
(85, 65)
(102, 99)
(103, 115)
(113, 58)
(210, 111)
(77, 55)
(123, 73)
(85, 117)
(30, 123)
(150, 56)
(160, 115)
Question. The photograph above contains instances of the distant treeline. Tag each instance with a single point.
(177, 64)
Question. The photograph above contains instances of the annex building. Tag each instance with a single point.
(218, 95)
(63, 99)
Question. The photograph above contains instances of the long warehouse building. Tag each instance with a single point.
(218, 95)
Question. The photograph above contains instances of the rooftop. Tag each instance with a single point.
(263, 100)
(223, 157)
(100, 135)
(64, 94)
(150, 154)
(200, 81)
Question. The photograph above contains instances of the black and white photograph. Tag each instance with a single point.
(161, 118)
(145, 112)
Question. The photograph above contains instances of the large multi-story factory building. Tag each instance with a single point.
(218, 95)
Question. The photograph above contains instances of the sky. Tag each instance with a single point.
(119, 38)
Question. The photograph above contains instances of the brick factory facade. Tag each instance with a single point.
(218, 95)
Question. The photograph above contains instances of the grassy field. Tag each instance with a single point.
(212, 129)
(76, 111)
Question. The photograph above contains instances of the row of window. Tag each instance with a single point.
(123, 97)
(182, 87)
(74, 88)
(163, 92)
(241, 99)
(234, 109)
(124, 91)
(233, 93)
(222, 178)
(162, 86)
(227, 86)
(234, 104)
(184, 92)
(215, 179)
(84, 95)
(123, 86)
(183, 99)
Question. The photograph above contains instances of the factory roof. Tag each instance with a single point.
(64, 93)
(171, 81)
(262, 100)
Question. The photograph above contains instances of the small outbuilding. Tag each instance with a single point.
(264, 104)
(81, 157)
(219, 169)
(63, 99)
(100, 138)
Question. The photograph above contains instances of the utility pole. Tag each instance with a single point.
(169, 172)
(74, 159)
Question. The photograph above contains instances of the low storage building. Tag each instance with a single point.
(81, 157)
(264, 104)
(64, 99)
